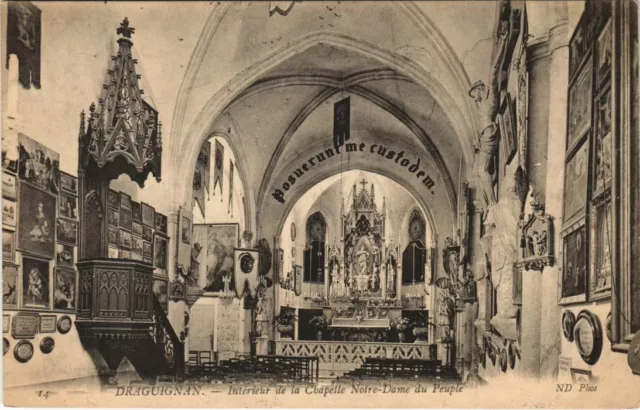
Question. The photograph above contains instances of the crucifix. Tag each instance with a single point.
(363, 183)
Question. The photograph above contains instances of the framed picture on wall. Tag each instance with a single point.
(9, 213)
(114, 217)
(137, 245)
(159, 252)
(64, 256)
(185, 229)
(136, 228)
(67, 231)
(68, 183)
(148, 215)
(125, 219)
(8, 246)
(125, 239)
(601, 248)
(147, 250)
(603, 144)
(161, 223)
(37, 222)
(35, 283)
(573, 277)
(113, 236)
(113, 252)
(64, 290)
(136, 211)
(68, 206)
(147, 233)
(10, 288)
(222, 239)
(580, 104)
(575, 194)
(113, 199)
(9, 186)
(38, 165)
(125, 201)
(507, 124)
(604, 50)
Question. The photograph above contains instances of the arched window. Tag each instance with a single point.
(316, 231)
(414, 256)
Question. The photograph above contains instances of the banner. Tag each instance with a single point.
(341, 122)
(246, 271)
(219, 168)
(23, 40)
(230, 208)
(201, 175)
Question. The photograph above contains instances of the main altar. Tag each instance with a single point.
(363, 271)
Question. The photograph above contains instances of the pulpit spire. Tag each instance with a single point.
(123, 135)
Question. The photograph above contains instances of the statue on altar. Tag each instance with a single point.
(360, 269)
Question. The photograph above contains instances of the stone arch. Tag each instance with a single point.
(464, 121)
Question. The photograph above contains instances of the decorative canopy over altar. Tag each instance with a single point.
(363, 269)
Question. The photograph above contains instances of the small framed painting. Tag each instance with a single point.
(148, 215)
(64, 290)
(136, 213)
(508, 129)
(185, 229)
(114, 218)
(575, 195)
(113, 200)
(580, 105)
(137, 244)
(113, 252)
(161, 223)
(8, 246)
(68, 183)
(113, 236)
(160, 252)
(35, 283)
(6, 320)
(136, 228)
(125, 219)
(124, 254)
(147, 249)
(147, 233)
(64, 255)
(9, 186)
(125, 201)
(68, 206)
(601, 249)
(573, 277)
(125, 239)
(67, 231)
(605, 48)
(9, 213)
(9, 286)
(37, 226)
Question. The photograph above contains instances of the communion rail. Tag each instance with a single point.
(347, 356)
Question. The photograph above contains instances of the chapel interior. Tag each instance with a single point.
(320, 191)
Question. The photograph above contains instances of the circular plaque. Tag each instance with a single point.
(47, 344)
(587, 334)
(23, 352)
(609, 335)
(6, 345)
(293, 232)
(64, 324)
(568, 323)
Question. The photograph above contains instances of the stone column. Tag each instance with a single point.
(558, 63)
